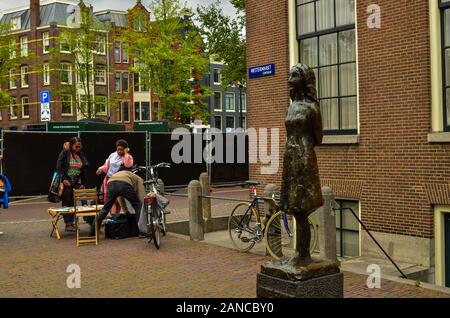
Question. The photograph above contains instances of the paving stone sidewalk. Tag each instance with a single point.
(33, 265)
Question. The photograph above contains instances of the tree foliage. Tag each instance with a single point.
(168, 55)
(225, 40)
(9, 61)
(80, 43)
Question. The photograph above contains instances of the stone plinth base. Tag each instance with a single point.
(316, 279)
(331, 286)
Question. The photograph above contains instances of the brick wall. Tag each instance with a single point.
(393, 165)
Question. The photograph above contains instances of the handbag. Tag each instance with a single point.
(53, 192)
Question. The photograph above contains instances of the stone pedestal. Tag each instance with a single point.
(319, 279)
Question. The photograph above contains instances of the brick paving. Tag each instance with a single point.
(33, 265)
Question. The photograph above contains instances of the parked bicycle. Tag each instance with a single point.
(246, 227)
(154, 204)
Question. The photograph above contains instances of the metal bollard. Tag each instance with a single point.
(196, 222)
(206, 202)
(327, 226)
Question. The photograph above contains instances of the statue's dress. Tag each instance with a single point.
(301, 189)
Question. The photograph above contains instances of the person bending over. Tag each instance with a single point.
(122, 184)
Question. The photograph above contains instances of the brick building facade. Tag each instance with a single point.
(38, 25)
(386, 148)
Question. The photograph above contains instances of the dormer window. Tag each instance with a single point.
(16, 23)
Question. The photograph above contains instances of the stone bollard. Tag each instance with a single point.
(206, 202)
(327, 226)
(196, 222)
(269, 190)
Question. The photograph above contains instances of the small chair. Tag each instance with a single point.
(86, 195)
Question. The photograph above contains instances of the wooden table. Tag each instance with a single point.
(57, 214)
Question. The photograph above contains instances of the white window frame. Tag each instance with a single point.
(221, 122)
(124, 52)
(214, 101)
(105, 102)
(119, 61)
(71, 106)
(11, 107)
(69, 70)
(244, 98)
(102, 69)
(13, 49)
(16, 23)
(115, 82)
(45, 42)
(121, 111)
(24, 46)
(234, 103)
(46, 74)
(63, 41)
(23, 75)
(220, 76)
(234, 123)
(22, 106)
(140, 111)
(12, 79)
(101, 43)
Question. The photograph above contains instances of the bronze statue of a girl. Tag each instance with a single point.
(301, 192)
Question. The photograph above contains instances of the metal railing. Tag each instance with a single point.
(373, 238)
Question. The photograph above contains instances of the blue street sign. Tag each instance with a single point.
(261, 71)
(45, 97)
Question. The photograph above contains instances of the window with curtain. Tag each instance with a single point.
(326, 34)
(445, 23)
(46, 73)
(45, 42)
(13, 109)
(24, 76)
(229, 102)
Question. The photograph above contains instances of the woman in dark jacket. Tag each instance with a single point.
(72, 165)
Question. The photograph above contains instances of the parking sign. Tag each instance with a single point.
(45, 106)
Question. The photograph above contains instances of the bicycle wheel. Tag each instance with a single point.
(280, 237)
(163, 223)
(156, 226)
(243, 227)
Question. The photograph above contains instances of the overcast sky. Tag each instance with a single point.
(120, 4)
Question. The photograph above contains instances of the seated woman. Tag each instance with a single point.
(117, 161)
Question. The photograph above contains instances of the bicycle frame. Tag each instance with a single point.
(254, 204)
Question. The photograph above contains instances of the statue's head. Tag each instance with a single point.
(302, 80)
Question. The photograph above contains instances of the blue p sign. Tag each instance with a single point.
(45, 97)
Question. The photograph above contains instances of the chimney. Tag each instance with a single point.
(35, 13)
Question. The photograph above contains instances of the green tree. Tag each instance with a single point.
(225, 40)
(168, 56)
(9, 61)
(82, 40)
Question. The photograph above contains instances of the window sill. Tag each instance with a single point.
(439, 137)
(340, 140)
(66, 115)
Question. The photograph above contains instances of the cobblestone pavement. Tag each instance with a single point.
(34, 265)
